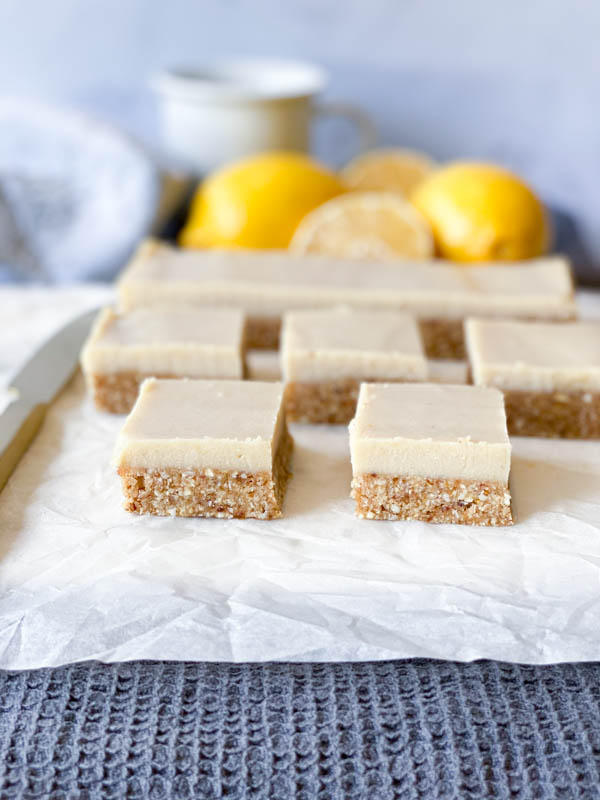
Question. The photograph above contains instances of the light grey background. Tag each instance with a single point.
(515, 81)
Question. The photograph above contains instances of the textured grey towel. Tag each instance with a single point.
(414, 729)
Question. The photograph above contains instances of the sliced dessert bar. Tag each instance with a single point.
(550, 374)
(268, 283)
(124, 349)
(325, 355)
(194, 448)
(431, 452)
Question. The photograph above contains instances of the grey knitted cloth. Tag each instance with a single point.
(413, 729)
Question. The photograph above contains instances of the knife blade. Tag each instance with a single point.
(35, 386)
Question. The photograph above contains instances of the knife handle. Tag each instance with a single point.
(19, 424)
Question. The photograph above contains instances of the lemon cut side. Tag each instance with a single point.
(365, 225)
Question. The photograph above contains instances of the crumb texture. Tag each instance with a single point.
(393, 497)
(324, 401)
(443, 338)
(556, 415)
(225, 494)
(262, 333)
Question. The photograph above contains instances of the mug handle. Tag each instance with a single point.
(362, 122)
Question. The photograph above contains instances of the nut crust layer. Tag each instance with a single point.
(225, 494)
(394, 497)
(555, 415)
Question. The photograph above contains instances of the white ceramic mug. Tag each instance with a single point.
(230, 109)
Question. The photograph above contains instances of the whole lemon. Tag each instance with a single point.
(257, 202)
(480, 212)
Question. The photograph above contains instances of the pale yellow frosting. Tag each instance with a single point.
(270, 282)
(198, 424)
(431, 431)
(186, 342)
(326, 345)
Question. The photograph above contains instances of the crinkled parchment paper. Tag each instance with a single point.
(80, 578)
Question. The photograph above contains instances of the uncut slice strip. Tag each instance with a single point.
(549, 373)
(125, 348)
(431, 452)
(268, 283)
(207, 449)
(325, 356)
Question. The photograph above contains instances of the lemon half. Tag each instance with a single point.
(365, 225)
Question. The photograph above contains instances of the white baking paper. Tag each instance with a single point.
(82, 579)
